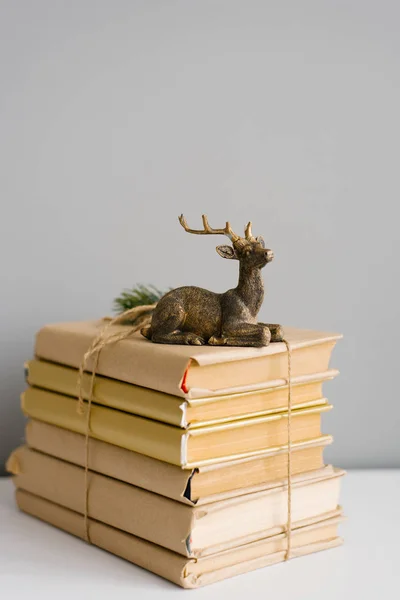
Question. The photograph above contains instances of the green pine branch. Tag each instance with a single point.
(137, 296)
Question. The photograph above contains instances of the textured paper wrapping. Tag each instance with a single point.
(149, 473)
(163, 521)
(162, 366)
(188, 573)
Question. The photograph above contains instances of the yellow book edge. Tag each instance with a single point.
(151, 438)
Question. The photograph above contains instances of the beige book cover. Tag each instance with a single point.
(186, 448)
(186, 413)
(196, 486)
(187, 573)
(190, 531)
(188, 371)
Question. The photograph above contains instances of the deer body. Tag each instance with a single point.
(193, 315)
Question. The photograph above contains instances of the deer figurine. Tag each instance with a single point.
(192, 315)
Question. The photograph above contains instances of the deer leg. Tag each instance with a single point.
(244, 334)
(165, 327)
(277, 333)
(178, 337)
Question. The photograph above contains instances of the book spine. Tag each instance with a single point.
(154, 558)
(108, 392)
(67, 343)
(131, 467)
(150, 438)
(126, 507)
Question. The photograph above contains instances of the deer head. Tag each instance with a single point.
(250, 251)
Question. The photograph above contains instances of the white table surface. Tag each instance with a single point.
(38, 561)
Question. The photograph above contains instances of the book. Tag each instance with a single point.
(186, 572)
(186, 448)
(195, 486)
(187, 371)
(186, 413)
(190, 531)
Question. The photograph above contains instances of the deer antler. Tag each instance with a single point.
(208, 230)
(248, 232)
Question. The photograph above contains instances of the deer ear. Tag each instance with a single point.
(226, 252)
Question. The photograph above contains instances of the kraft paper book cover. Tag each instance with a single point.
(187, 572)
(196, 486)
(188, 371)
(186, 413)
(190, 531)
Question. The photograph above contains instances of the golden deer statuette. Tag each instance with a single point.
(192, 315)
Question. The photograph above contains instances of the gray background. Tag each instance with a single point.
(117, 116)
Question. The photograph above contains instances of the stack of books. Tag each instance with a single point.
(187, 455)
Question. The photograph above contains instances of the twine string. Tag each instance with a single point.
(87, 433)
(289, 454)
(141, 315)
